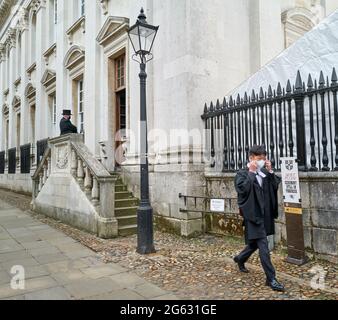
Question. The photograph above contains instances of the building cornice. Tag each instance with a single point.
(17, 82)
(113, 27)
(51, 50)
(5, 10)
(80, 23)
(49, 77)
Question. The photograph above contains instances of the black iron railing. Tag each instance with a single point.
(25, 158)
(2, 162)
(41, 147)
(12, 161)
(293, 122)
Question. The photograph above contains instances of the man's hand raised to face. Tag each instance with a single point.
(268, 165)
(253, 166)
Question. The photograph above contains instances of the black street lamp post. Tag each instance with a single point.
(142, 36)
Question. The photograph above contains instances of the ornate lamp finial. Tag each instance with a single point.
(142, 17)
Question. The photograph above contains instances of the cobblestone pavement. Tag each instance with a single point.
(202, 268)
(57, 267)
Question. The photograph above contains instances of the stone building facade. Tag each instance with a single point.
(75, 54)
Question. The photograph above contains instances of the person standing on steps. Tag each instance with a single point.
(257, 188)
(66, 126)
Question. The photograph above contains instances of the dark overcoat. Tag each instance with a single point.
(259, 205)
(67, 127)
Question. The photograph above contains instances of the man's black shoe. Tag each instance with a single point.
(275, 285)
(241, 266)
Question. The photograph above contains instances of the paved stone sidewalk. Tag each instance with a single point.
(59, 268)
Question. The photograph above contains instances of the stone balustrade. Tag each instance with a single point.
(70, 184)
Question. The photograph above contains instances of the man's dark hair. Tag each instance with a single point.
(257, 151)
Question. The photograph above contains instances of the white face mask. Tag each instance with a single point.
(260, 164)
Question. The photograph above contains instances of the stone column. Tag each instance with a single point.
(41, 129)
(10, 85)
(1, 102)
(24, 81)
(92, 79)
(266, 37)
(61, 49)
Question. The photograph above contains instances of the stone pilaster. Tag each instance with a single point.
(61, 49)
(92, 79)
(41, 116)
(10, 86)
(1, 102)
(24, 79)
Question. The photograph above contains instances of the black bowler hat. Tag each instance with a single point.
(67, 113)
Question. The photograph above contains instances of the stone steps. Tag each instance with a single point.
(128, 202)
(123, 195)
(120, 188)
(128, 230)
(127, 221)
(126, 206)
(127, 211)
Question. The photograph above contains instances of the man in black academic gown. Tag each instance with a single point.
(66, 126)
(257, 188)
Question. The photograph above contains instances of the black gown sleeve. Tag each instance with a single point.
(273, 190)
(244, 186)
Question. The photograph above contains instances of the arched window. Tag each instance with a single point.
(297, 22)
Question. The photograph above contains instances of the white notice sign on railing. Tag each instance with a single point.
(217, 205)
(290, 177)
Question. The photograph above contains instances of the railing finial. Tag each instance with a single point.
(231, 102)
(310, 83)
(270, 92)
(261, 94)
(288, 87)
(205, 108)
(253, 96)
(238, 100)
(218, 107)
(224, 103)
(321, 80)
(334, 77)
(299, 83)
(245, 98)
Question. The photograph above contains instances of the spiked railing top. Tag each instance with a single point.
(276, 95)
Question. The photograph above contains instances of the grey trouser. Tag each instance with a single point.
(264, 254)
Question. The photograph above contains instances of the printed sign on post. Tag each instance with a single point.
(293, 211)
(217, 205)
(290, 177)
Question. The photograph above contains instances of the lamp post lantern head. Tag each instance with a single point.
(142, 36)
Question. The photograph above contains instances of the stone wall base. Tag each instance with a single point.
(61, 198)
(166, 183)
(319, 193)
(20, 183)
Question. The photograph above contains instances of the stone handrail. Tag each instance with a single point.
(93, 178)
(42, 173)
(43, 161)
